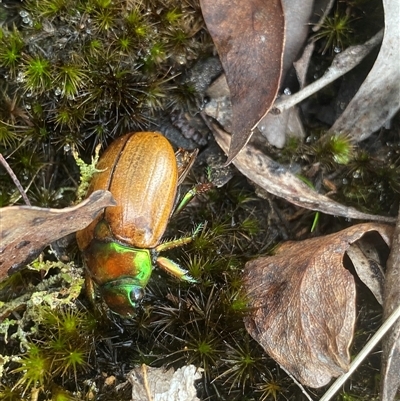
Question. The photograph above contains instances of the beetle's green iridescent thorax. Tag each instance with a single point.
(107, 261)
(119, 271)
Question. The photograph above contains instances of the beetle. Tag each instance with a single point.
(122, 244)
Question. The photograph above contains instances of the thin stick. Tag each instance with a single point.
(341, 64)
(299, 385)
(391, 320)
(327, 10)
(3, 161)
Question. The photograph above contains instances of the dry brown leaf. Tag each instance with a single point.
(26, 230)
(368, 256)
(275, 128)
(391, 344)
(277, 180)
(158, 384)
(303, 304)
(249, 37)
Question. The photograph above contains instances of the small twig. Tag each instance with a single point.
(146, 382)
(3, 161)
(299, 385)
(327, 10)
(341, 64)
(363, 354)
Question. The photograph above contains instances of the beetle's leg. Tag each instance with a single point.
(184, 160)
(179, 241)
(90, 290)
(170, 266)
(173, 268)
(196, 190)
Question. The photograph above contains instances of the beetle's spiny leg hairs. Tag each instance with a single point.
(179, 241)
(174, 269)
(164, 246)
(196, 190)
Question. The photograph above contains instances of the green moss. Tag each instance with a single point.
(244, 362)
(335, 32)
(9, 394)
(272, 388)
(37, 74)
(103, 19)
(83, 72)
(59, 394)
(58, 348)
(333, 149)
(354, 174)
(11, 45)
(35, 368)
(48, 8)
(173, 16)
(70, 79)
(8, 136)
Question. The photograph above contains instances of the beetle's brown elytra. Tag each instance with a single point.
(140, 170)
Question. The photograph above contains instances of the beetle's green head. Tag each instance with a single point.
(123, 295)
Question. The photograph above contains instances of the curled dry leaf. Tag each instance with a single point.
(249, 37)
(26, 230)
(277, 180)
(302, 303)
(368, 256)
(390, 382)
